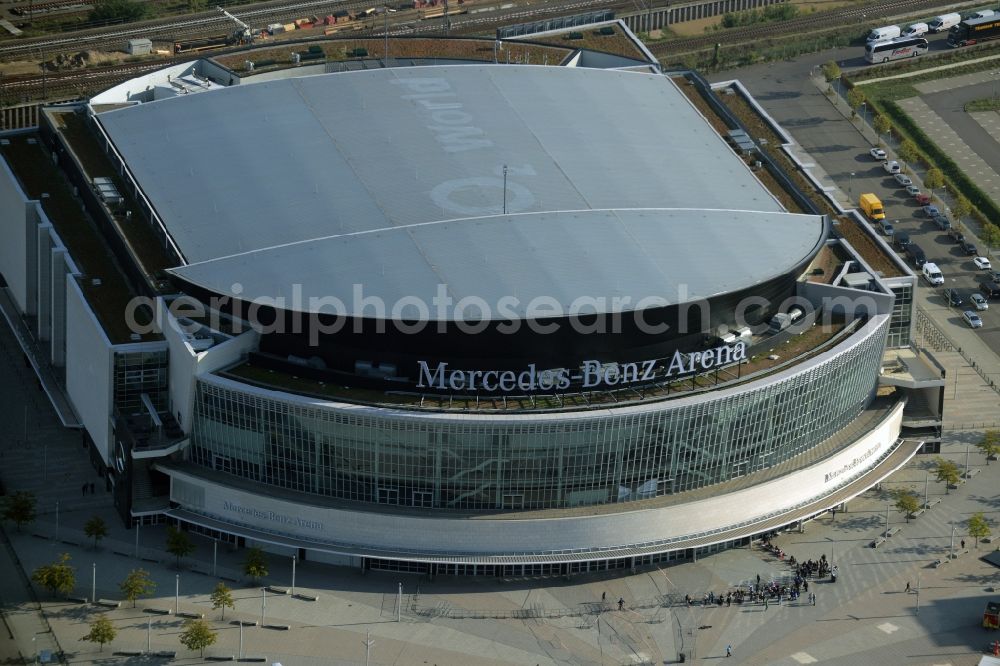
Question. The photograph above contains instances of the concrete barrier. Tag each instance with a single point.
(191, 616)
(245, 623)
(164, 654)
(127, 653)
(109, 603)
(276, 590)
(306, 597)
(253, 659)
(220, 657)
(157, 611)
(78, 600)
(279, 627)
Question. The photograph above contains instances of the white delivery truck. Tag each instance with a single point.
(882, 34)
(944, 22)
(982, 13)
(916, 30)
(933, 274)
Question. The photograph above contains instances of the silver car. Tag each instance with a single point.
(903, 179)
(972, 319)
(979, 301)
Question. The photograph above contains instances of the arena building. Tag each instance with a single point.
(461, 318)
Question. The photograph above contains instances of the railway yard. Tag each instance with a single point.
(69, 63)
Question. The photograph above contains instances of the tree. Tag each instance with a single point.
(222, 597)
(118, 11)
(831, 70)
(947, 471)
(907, 502)
(934, 179)
(908, 152)
(990, 235)
(101, 631)
(255, 564)
(962, 207)
(989, 444)
(978, 527)
(179, 544)
(197, 635)
(855, 98)
(58, 577)
(882, 125)
(20, 508)
(96, 529)
(137, 584)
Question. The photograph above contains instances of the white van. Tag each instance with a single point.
(933, 274)
(916, 30)
(944, 22)
(982, 13)
(882, 34)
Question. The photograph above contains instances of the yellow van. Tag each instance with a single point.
(872, 207)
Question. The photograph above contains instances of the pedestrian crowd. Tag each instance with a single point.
(773, 591)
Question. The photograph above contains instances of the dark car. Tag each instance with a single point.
(914, 252)
(969, 248)
(901, 239)
(953, 297)
(990, 289)
(991, 276)
(942, 222)
(956, 235)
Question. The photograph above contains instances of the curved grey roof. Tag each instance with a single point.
(548, 263)
(394, 179)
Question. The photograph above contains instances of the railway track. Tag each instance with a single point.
(867, 14)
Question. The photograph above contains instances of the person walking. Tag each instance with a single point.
(907, 587)
(604, 596)
(621, 603)
(963, 544)
(729, 651)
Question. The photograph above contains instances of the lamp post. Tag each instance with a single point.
(177, 593)
(57, 520)
(240, 653)
(887, 504)
(93, 583)
(149, 627)
(850, 187)
(927, 481)
(294, 559)
(368, 646)
(967, 447)
(263, 605)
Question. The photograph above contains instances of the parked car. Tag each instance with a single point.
(953, 297)
(903, 179)
(972, 319)
(912, 190)
(979, 301)
(877, 153)
(991, 276)
(990, 289)
(887, 228)
(931, 211)
(942, 222)
(956, 235)
(982, 263)
(922, 199)
(901, 239)
(969, 249)
(891, 166)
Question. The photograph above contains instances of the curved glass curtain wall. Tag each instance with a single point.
(524, 462)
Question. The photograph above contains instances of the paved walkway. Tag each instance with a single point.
(947, 139)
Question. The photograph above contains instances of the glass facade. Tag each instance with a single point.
(138, 372)
(532, 461)
(902, 311)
